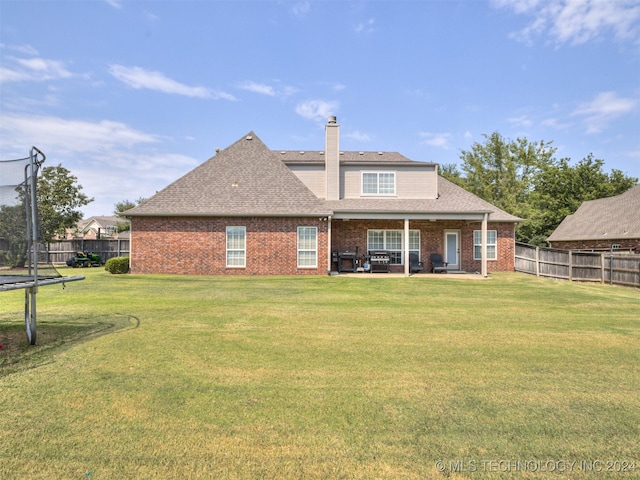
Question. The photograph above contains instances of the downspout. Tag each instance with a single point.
(483, 248)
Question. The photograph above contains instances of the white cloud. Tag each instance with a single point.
(32, 70)
(257, 88)
(555, 123)
(25, 49)
(278, 90)
(62, 135)
(300, 9)
(317, 110)
(359, 136)
(439, 140)
(576, 21)
(521, 121)
(114, 3)
(365, 27)
(138, 78)
(288, 90)
(111, 160)
(603, 109)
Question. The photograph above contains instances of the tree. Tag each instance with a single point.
(119, 208)
(58, 198)
(450, 172)
(502, 171)
(561, 188)
(523, 178)
(13, 230)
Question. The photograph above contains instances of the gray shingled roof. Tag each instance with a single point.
(245, 179)
(452, 199)
(248, 179)
(292, 157)
(613, 217)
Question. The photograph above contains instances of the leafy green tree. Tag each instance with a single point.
(524, 179)
(58, 198)
(502, 171)
(561, 188)
(121, 207)
(450, 172)
(13, 232)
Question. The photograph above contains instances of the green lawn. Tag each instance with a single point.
(321, 377)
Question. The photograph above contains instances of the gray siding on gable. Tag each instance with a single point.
(312, 176)
(417, 183)
(411, 182)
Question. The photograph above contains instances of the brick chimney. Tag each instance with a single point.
(332, 159)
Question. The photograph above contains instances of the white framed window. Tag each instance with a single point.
(378, 183)
(307, 247)
(236, 247)
(393, 242)
(492, 245)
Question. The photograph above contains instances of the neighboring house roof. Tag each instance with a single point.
(100, 222)
(249, 179)
(613, 217)
(230, 184)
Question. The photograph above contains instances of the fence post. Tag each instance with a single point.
(537, 261)
(602, 263)
(570, 266)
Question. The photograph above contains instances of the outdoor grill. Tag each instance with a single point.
(379, 261)
(347, 260)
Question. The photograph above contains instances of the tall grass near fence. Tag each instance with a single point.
(327, 377)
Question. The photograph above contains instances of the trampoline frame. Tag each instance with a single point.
(31, 282)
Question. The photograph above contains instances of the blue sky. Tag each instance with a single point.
(130, 95)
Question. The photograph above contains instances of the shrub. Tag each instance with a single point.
(117, 265)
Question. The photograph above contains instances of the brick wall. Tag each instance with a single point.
(353, 233)
(185, 245)
(604, 245)
(197, 246)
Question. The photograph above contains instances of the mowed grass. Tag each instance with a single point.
(322, 377)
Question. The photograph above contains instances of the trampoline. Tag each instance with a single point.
(20, 264)
(17, 282)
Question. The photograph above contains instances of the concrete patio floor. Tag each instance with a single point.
(450, 275)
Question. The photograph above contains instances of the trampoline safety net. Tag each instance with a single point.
(23, 261)
(19, 227)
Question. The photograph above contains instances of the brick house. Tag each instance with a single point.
(250, 210)
(602, 225)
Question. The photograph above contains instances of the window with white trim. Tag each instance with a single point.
(393, 242)
(378, 183)
(492, 245)
(236, 247)
(307, 247)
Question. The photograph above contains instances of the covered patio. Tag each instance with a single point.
(460, 239)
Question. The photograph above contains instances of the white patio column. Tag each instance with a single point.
(483, 248)
(406, 247)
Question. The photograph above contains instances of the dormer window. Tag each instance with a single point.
(378, 183)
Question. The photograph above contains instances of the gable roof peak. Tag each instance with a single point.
(244, 179)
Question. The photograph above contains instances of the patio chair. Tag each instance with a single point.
(437, 265)
(415, 265)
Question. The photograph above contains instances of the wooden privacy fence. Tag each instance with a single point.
(59, 252)
(601, 267)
